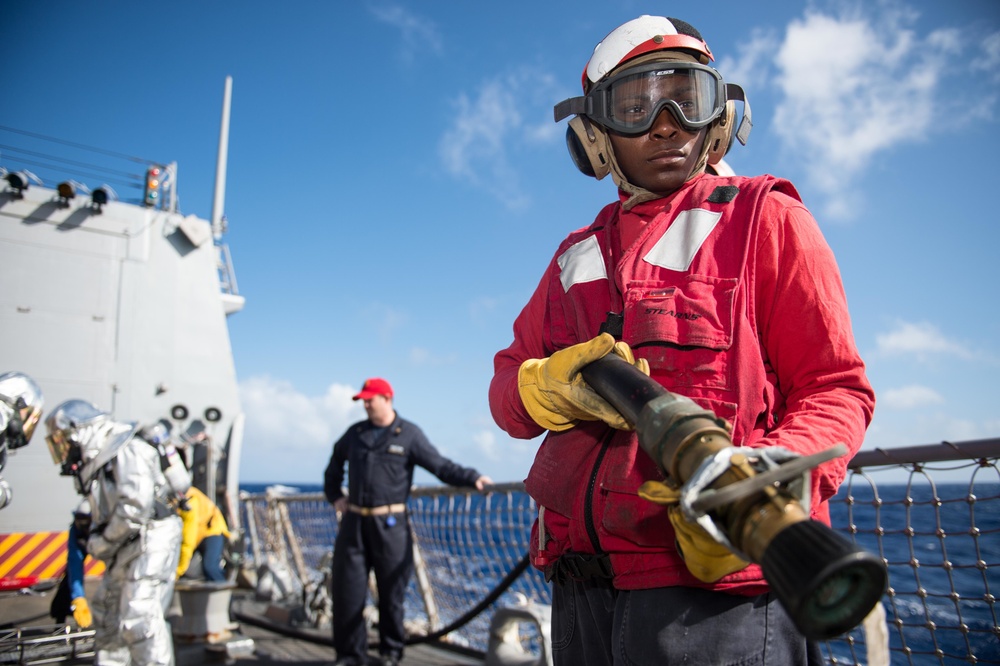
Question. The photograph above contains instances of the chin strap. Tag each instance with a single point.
(638, 194)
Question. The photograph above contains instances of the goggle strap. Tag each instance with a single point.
(735, 93)
(578, 106)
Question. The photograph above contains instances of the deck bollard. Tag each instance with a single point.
(505, 647)
(204, 610)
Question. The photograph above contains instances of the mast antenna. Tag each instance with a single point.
(218, 202)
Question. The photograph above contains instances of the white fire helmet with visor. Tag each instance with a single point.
(82, 438)
(23, 401)
(642, 67)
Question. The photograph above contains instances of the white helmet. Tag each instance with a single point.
(630, 59)
(24, 397)
(638, 37)
(71, 426)
(83, 438)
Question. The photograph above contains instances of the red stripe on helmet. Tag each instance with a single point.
(658, 43)
(669, 43)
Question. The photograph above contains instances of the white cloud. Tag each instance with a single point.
(754, 67)
(478, 129)
(855, 86)
(989, 57)
(894, 430)
(509, 458)
(486, 443)
(909, 397)
(918, 339)
(417, 34)
(491, 124)
(288, 432)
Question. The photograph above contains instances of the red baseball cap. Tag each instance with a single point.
(373, 387)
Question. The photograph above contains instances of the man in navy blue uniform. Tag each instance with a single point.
(374, 533)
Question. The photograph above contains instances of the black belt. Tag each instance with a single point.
(580, 567)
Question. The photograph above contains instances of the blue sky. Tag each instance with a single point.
(396, 184)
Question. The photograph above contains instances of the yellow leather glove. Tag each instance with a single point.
(81, 612)
(555, 394)
(707, 559)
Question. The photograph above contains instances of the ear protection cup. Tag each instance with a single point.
(720, 135)
(588, 146)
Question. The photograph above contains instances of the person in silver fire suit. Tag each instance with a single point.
(374, 533)
(20, 408)
(135, 530)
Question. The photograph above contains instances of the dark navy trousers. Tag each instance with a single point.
(211, 548)
(364, 544)
(594, 624)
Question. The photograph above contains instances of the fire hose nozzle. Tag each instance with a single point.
(826, 583)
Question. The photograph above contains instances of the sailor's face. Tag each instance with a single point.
(379, 410)
(662, 159)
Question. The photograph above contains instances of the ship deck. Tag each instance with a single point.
(30, 610)
(306, 646)
(274, 648)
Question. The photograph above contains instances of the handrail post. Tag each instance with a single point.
(293, 543)
(424, 585)
(258, 555)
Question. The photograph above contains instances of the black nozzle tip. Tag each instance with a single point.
(826, 583)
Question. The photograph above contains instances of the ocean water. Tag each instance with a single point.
(942, 545)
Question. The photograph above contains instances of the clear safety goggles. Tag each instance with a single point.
(629, 101)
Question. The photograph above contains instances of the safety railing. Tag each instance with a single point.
(931, 512)
(48, 644)
(466, 544)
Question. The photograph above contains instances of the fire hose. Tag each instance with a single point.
(825, 582)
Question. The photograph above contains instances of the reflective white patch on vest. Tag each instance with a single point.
(581, 262)
(676, 249)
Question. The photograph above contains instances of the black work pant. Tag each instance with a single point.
(594, 624)
(367, 544)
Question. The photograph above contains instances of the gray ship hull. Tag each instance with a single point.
(126, 308)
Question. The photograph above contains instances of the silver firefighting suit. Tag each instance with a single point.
(137, 535)
(6, 494)
(20, 409)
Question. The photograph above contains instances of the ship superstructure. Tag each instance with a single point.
(124, 303)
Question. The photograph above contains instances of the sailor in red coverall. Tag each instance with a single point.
(723, 289)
